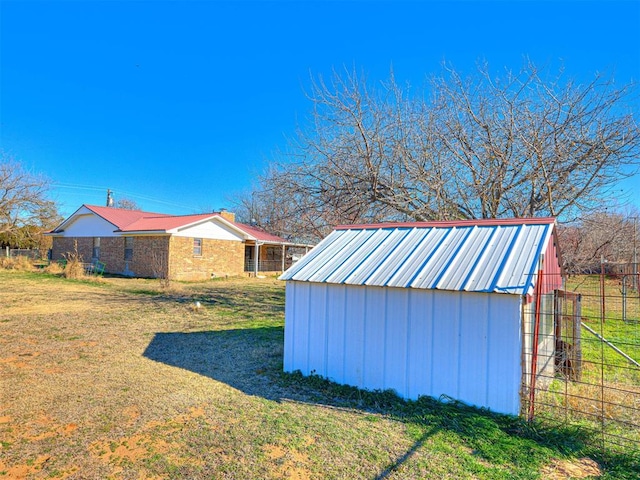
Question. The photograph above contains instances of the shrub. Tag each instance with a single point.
(74, 267)
(54, 268)
(16, 263)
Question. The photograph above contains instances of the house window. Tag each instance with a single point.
(197, 247)
(128, 248)
(95, 254)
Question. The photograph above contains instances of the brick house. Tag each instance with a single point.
(186, 247)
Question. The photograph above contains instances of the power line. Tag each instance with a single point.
(78, 187)
(127, 194)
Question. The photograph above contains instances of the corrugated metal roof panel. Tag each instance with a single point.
(385, 250)
(489, 264)
(417, 259)
(441, 259)
(398, 258)
(358, 257)
(465, 263)
(337, 255)
(334, 241)
(481, 256)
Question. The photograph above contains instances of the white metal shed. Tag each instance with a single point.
(426, 308)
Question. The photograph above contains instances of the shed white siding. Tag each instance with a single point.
(466, 345)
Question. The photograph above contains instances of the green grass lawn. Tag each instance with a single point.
(120, 378)
(621, 330)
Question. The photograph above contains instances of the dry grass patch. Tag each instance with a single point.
(124, 379)
(54, 268)
(568, 469)
(20, 263)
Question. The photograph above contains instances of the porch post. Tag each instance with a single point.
(283, 253)
(257, 259)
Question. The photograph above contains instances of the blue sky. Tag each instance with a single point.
(177, 105)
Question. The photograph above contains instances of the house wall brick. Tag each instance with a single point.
(149, 256)
(63, 246)
(112, 254)
(219, 258)
(159, 256)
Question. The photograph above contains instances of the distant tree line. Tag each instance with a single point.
(25, 209)
(609, 237)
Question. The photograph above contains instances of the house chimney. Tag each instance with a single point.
(109, 199)
(227, 215)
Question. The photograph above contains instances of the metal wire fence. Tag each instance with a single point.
(582, 357)
(267, 265)
(22, 252)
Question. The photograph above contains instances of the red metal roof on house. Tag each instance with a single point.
(139, 221)
(120, 217)
(259, 234)
(164, 223)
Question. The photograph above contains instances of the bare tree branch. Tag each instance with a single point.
(23, 198)
(517, 145)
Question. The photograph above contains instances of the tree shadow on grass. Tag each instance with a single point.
(250, 360)
(245, 359)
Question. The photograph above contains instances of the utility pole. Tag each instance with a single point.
(109, 198)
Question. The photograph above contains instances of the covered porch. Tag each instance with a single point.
(271, 257)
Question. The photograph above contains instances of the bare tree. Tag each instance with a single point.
(31, 236)
(127, 204)
(23, 199)
(520, 145)
(611, 236)
(529, 146)
(329, 176)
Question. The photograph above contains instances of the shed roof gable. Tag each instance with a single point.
(479, 256)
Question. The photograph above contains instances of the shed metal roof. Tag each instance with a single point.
(477, 256)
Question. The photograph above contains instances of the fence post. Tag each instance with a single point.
(257, 264)
(624, 298)
(534, 349)
(284, 251)
(602, 304)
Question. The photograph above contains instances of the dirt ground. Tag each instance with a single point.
(96, 379)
